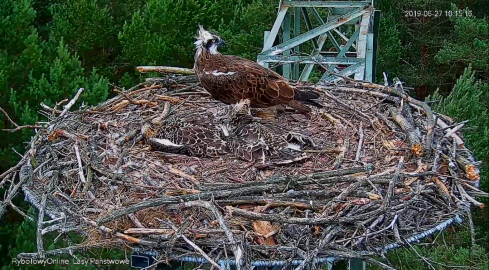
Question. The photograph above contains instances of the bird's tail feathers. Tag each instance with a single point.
(287, 156)
(299, 106)
(307, 97)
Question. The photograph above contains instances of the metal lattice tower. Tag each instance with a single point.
(347, 28)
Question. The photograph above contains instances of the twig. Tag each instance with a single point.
(61, 251)
(471, 226)
(135, 102)
(21, 127)
(393, 183)
(197, 248)
(237, 250)
(8, 117)
(323, 241)
(302, 221)
(329, 95)
(452, 131)
(40, 219)
(413, 139)
(135, 220)
(80, 165)
(22, 213)
(360, 143)
(183, 175)
(17, 127)
(72, 102)
(24, 176)
(46, 107)
(443, 125)
(468, 197)
(16, 167)
(470, 170)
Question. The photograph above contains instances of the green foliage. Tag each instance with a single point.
(389, 45)
(164, 31)
(25, 235)
(7, 234)
(33, 71)
(469, 99)
(87, 27)
(438, 257)
(429, 52)
(60, 81)
(244, 33)
(16, 17)
(469, 44)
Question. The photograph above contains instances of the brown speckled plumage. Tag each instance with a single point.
(230, 78)
(189, 135)
(278, 145)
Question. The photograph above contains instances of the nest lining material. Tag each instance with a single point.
(384, 167)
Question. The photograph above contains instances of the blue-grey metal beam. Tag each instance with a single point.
(317, 50)
(308, 59)
(276, 27)
(330, 36)
(353, 69)
(286, 68)
(369, 58)
(297, 31)
(352, 58)
(349, 44)
(345, 49)
(309, 25)
(327, 4)
(314, 32)
(362, 40)
(356, 264)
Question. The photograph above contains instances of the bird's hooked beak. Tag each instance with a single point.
(221, 43)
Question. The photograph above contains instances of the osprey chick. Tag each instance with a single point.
(277, 145)
(230, 78)
(192, 134)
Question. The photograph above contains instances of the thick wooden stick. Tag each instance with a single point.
(72, 102)
(442, 124)
(470, 170)
(413, 139)
(165, 69)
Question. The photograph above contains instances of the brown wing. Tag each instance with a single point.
(230, 78)
(256, 132)
(248, 151)
(192, 140)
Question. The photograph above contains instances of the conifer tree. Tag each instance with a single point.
(87, 27)
(469, 100)
(469, 44)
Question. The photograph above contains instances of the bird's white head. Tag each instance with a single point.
(208, 41)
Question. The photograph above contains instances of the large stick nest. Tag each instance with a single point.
(384, 167)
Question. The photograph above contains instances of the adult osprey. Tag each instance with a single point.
(230, 78)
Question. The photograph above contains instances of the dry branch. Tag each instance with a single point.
(413, 139)
(165, 69)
